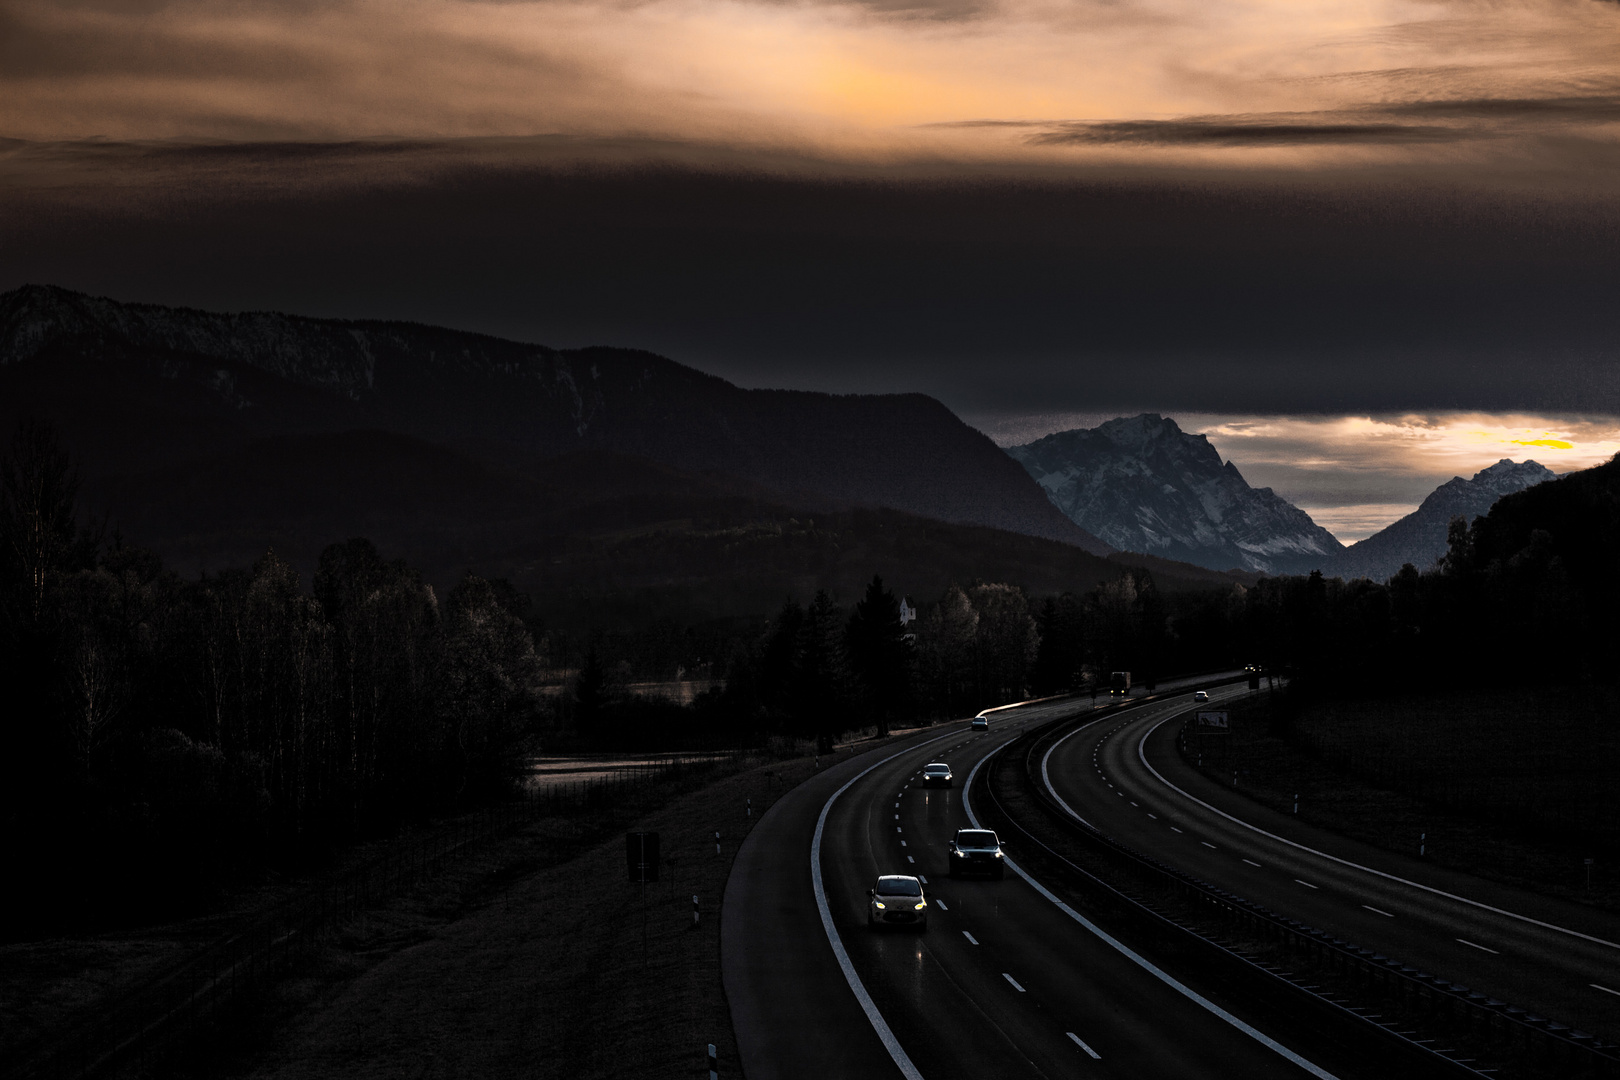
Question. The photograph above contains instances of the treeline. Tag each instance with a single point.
(161, 731)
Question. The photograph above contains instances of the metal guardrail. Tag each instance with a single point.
(1514, 1030)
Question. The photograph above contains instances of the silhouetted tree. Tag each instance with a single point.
(879, 657)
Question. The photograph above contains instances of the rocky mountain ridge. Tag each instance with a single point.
(1419, 538)
(1142, 484)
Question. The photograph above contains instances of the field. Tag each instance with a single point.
(1519, 786)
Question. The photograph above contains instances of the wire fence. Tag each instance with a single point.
(159, 1020)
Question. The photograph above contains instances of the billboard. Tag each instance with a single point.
(1213, 723)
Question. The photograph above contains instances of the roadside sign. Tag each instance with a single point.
(1213, 723)
(641, 856)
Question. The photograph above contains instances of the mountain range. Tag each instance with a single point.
(1142, 484)
(145, 391)
(602, 480)
(1419, 538)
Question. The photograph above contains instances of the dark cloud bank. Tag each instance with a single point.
(993, 292)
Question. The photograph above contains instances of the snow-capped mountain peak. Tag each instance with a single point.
(1142, 484)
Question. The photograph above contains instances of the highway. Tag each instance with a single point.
(1125, 778)
(1009, 981)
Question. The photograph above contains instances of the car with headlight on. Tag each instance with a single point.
(1200, 695)
(936, 774)
(976, 851)
(980, 723)
(897, 900)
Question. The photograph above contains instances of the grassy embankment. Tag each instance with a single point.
(517, 964)
(1518, 786)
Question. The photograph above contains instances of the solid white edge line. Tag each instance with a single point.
(879, 1025)
(1136, 958)
(1605, 989)
(1081, 1043)
(1141, 752)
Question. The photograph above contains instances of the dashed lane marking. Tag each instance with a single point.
(1378, 911)
(1209, 845)
(909, 859)
(1251, 862)
(1174, 829)
(939, 903)
(1605, 989)
(902, 843)
(1481, 948)
(1307, 884)
(1014, 982)
(1078, 1041)
(1155, 817)
(971, 939)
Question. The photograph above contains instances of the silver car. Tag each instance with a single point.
(897, 900)
(980, 723)
(936, 774)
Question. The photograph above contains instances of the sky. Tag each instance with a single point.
(1342, 238)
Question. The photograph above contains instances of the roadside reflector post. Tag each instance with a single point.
(1296, 802)
(717, 841)
(694, 911)
(750, 811)
(1423, 845)
(714, 1064)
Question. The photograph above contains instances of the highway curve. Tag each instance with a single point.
(1126, 778)
(1008, 982)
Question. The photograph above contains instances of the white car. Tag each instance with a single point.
(1200, 695)
(897, 900)
(936, 774)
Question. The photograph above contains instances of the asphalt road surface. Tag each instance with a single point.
(1007, 982)
(1124, 777)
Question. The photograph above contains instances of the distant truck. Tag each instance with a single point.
(1119, 684)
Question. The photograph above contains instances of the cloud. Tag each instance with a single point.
(1286, 130)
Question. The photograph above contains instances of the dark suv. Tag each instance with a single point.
(976, 851)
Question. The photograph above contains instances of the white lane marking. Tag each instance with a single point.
(1155, 817)
(1481, 948)
(902, 843)
(1174, 829)
(1124, 950)
(925, 881)
(1307, 884)
(939, 903)
(1605, 989)
(1133, 803)
(897, 816)
(1081, 1044)
(1251, 862)
(909, 859)
(1141, 752)
(884, 1033)
(1378, 911)
(1209, 845)
(971, 939)
(898, 828)
(1014, 982)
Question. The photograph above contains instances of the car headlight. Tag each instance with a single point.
(998, 854)
(921, 904)
(879, 905)
(957, 854)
